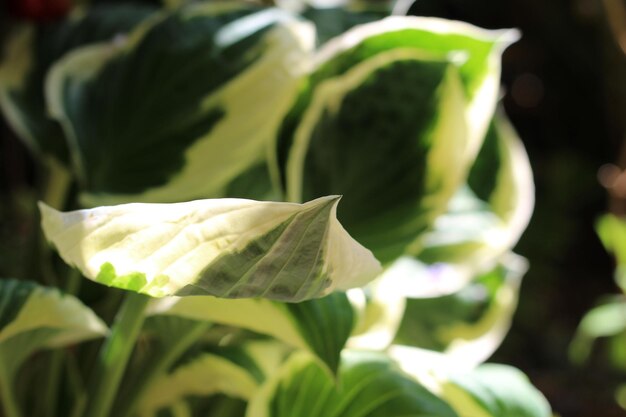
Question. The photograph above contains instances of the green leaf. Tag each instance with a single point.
(369, 385)
(612, 232)
(230, 248)
(495, 391)
(380, 310)
(605, 320)
(234, 371)
(147, 124)
(321, 326)
(470, 324)
(337, 146)
(486, 217)
(476, 52)
(33, 317)
(206, 375)
(32, 50)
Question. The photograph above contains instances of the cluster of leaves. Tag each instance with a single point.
(264, 296)
(608, 318)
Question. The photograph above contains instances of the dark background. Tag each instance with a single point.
(565, 84)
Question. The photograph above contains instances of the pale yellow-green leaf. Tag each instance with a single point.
(259, 315)
(49, 308)
(484, 87)
(206, 375)
(225, 247)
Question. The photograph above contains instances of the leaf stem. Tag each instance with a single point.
(172, 352)
(114, 355)
(51, 393)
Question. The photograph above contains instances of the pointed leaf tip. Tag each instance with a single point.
(230, 248)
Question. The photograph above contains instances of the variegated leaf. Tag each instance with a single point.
(30, 53)
(145, 121)
(33, 317)
(321, 326)
(395, 154)
(230, 248)
(368, 385)
(470, 324)
(483, 221)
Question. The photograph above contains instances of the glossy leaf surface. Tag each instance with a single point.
(368, 385)
(495, 391)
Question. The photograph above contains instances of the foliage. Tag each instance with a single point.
(608, 319)
(347, 252)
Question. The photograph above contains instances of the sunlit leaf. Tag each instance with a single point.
(230, 248)
(380, 311)
(605, 320)
(33, 317)
(147, 124)
(475, 51)
(31, 52)
(206, 375)
(321, 326)
(394, 153)
(484, 219)
(471, 323)
(486, 390)
(228, 372)
(495, 391)
(368, 385)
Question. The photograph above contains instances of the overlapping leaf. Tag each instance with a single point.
(484, 219)
(470, 324)
(359, 121)
(33, 50)
(382, 92)
(33, 317)
(495, 391)
(321, 326)
(145, 121)
(206, 375)
(486, 390)
(479, 63)
(369, 385)
(226, 247)
(380, 310)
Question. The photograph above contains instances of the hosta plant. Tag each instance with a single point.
(286, 213)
